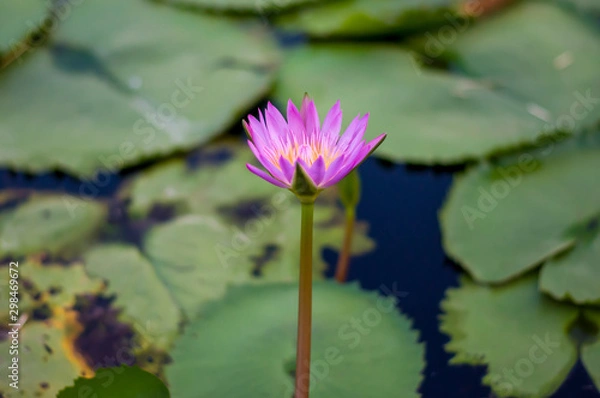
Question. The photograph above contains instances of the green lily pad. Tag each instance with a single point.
(47, 288)
(119, 382)
(430, 117)
(58, 225)
(186, 257)
(18, 19)
(575, 275)
(199, 256)
(55, 284)
(203, 191)
(538, 63)
(584, 6)
(141, 92)
(44, 367)
(244, 346)
(245, 6)
(590, 353)
(518, 333)
(500, 221)
(368, 17)
(145, 301)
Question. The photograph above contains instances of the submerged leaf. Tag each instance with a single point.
(244, 346)
(518, 333)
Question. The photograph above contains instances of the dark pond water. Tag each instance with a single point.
(401, 205)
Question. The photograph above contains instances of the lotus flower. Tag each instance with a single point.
(302, 155)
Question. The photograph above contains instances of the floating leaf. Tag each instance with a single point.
(575, 275)
(518, 333)
(54, 285)
(119, 382)
(145, 301)
(244, 6)
(188, 258)
(368, 17)
(244, 345)
(123, 91)
(58, 225)
(584, 6)
(44, 365)
(590, 353)
(500, 221)
(430, 117)
(204, 190)
(551, 64)
(18, 19)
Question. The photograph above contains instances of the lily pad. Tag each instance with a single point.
(245, 6)
(204, 190)
(575, 275)
(501, 220)
(18, 19)
(55, 285)
(119, 382)
(199, 256)
(368, 17)
(186, 257)
(58, 225)
(584, 6)
(116, 93)
(244, 345)
(430, 117)
(552, 64)
(590, 353)
(44, 366)
(144, 300)
(518, 333)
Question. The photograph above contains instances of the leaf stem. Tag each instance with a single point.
(304, 303)
(341, 272)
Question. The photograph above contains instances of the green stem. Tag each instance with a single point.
(341, 272)
(304, 303)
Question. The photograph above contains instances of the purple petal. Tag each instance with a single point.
(257, 129)
(357, 159)
(287, 169)
(276, 124)
(271, 168)
(310, 116)
(334, 167)
(343, 172)
(332, 124)
(295, 121)
(354, 132)
(317, 171)
(265, 176)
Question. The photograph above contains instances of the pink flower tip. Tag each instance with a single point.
(300, 152)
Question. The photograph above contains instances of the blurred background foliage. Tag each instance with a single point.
(187, 268)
